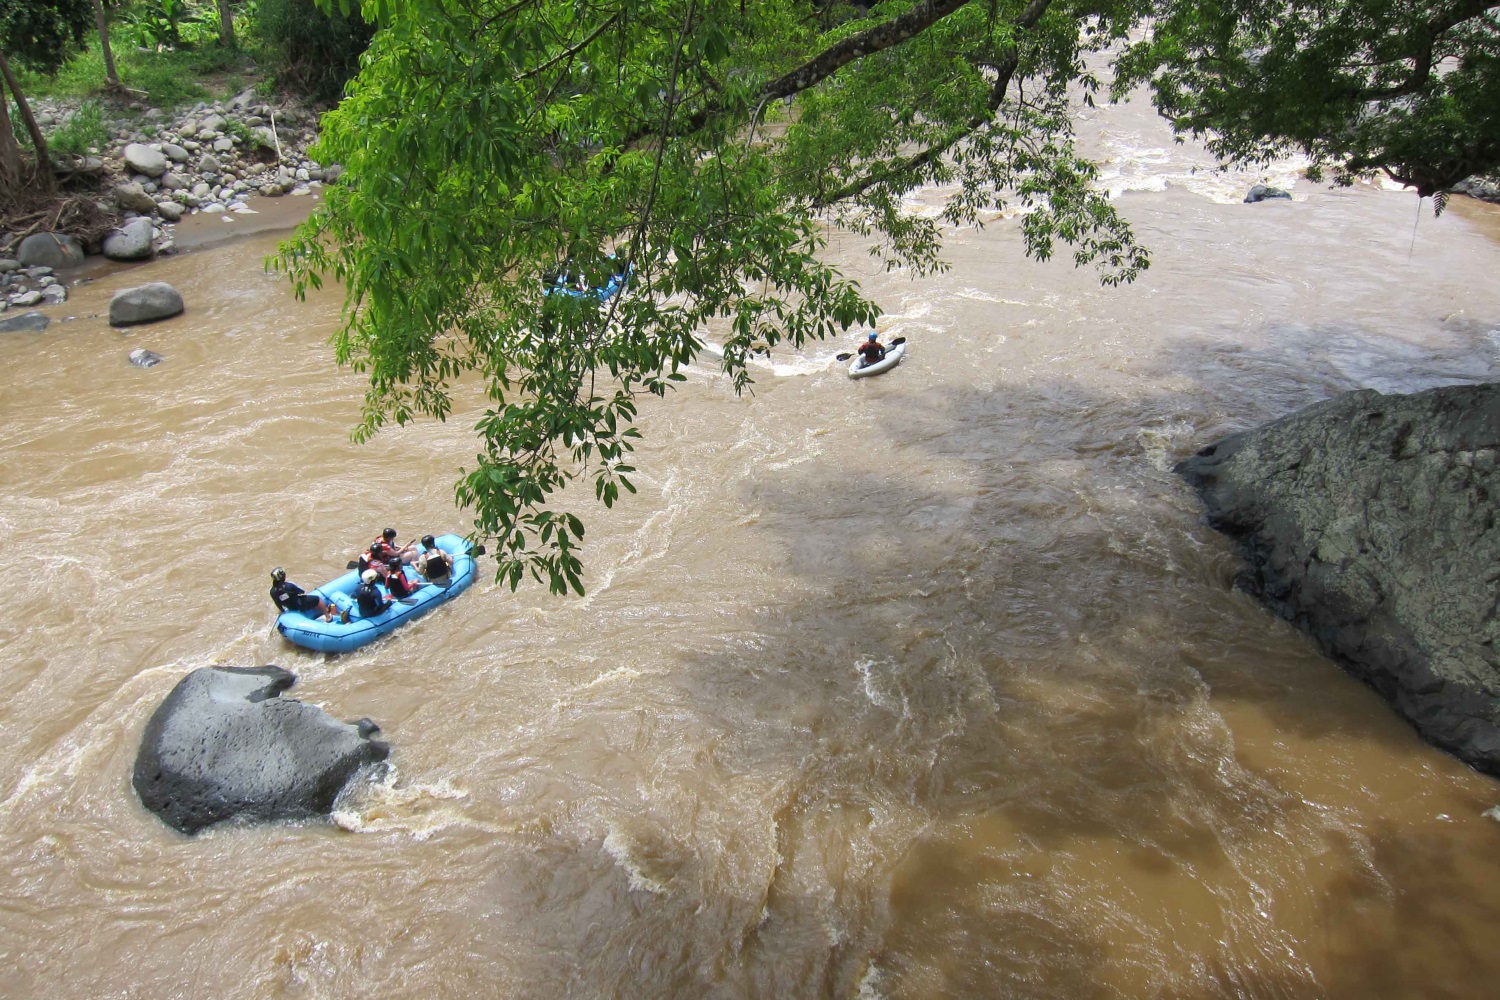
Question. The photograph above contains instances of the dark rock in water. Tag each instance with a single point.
(143, 358)
(1261, 192)
(223, 746)
(156, 300)
(32, 322)
(51, 249)
(1370, 522)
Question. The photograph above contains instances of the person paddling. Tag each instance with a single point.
(371, 604)
(434, 563)
(871, 350)
(290, 597)
(397, 582)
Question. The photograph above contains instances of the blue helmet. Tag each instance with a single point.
(873, 336)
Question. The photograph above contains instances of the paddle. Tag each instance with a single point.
(849, 354)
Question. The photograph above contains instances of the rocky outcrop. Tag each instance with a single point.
(1369, 521)
(151, 301)
(224, 745)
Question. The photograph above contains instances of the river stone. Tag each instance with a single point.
(170, 211)
(1369, 521)
(134, 198)
(50, 250)
(32, 322)
(224, 745)
(156, 300)
(209, 164)
(213, 123)
(1261, 192)
(8, 265)
(144, 160)
(27, 299)
(132, 241)
(142, 358)
(174, 152)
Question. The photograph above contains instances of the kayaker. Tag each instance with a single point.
(433, 563)
(290, 597)
(871, 350)
(397, 583)
(371, 604)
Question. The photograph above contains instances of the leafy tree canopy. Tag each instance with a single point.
(1411, 88)
(489, 144)
(43, 34)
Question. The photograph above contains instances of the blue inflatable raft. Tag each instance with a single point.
(562, 285)
(341, 637)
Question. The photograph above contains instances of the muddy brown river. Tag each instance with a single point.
(927, 685)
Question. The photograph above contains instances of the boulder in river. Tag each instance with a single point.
(1262, 192)
(50, 250)
(142, 358)
(132, 241)
(156, 300)
(1370, 522)
(224, 745)
(31, 322)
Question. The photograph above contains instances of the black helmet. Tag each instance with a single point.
(428, 542)
(388, 534)
(278, 575)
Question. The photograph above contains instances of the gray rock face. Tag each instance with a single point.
(132, 241)
(1369, 521)
(156, 300)
(50, 250)
(144, 160)
(32, 322)
(133, 197)
(224, 745)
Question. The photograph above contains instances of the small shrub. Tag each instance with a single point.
(83, 130)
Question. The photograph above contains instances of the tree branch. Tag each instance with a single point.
(1005, 71)
(1427, 36)
(570, 52)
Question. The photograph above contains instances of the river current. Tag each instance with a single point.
(927, 685)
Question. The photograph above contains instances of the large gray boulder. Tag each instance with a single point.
(1370, 522)
(224, 745)
(144, 160)
(50, 250)
(156, 300)
(132, 241)
(31, 322)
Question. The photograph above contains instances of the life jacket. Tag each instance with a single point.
(436, 565)
(369, 600)
(398, 584)
(872, 352)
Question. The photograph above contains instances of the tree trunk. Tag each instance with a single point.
(111, 78)
(42, 178)
(10, 152)
(226, 25)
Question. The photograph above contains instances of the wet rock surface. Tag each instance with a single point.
(1369, 521)
(151, 301)
(224, 745)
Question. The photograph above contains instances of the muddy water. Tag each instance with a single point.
(925, 685)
